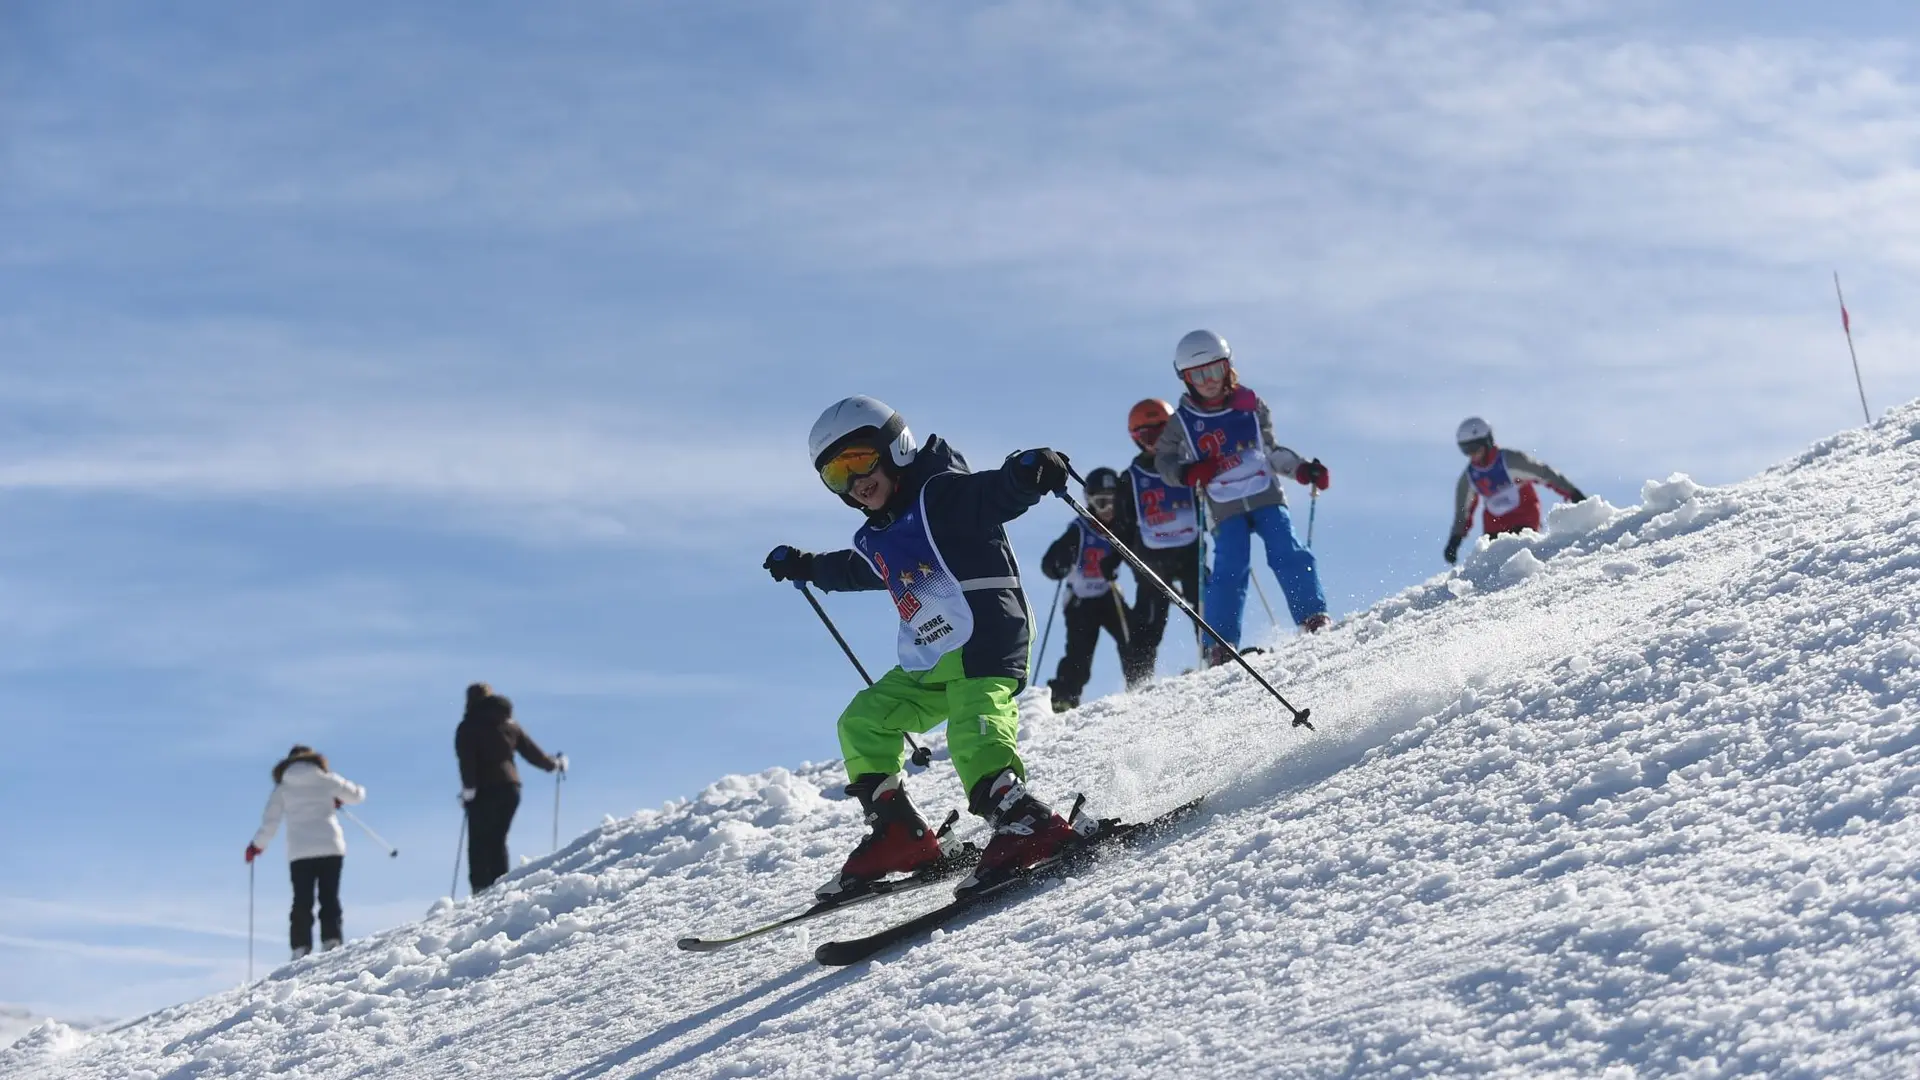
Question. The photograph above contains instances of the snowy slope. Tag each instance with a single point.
(1635, 797)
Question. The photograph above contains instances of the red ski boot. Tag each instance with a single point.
(1025, 831)
(900, 842)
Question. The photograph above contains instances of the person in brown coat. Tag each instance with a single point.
(485, 742)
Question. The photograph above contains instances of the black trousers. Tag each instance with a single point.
(1180, 568)
(1085, 618)
(320, 874)
(489, 816)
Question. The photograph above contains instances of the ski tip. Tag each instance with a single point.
(829, 956)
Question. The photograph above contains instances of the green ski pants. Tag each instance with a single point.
(982, 721)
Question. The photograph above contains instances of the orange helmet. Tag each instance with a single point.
(1145, 419)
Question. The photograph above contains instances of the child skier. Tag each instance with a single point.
(1167, 522)
(1505, 479)
(1224, 446)
(934, 539)
(306, 793)
(1088, 562)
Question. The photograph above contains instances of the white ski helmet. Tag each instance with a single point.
(865, 420)
(1198, 349)
(1473, 429)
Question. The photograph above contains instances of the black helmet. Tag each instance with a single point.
(1102, 481)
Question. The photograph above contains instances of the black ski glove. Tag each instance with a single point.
(789, 564)
(1575, 495)
(1453, 548)
(1039, 471)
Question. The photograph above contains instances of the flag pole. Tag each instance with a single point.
(1846, 324)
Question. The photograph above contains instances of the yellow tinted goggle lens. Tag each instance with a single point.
(847, 466)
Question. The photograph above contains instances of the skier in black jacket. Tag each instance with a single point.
(485, 742)
(1089, 563)
(934, 539)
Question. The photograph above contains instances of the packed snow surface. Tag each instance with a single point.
(1631, 797)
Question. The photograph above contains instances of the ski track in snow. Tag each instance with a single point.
(1631, 797)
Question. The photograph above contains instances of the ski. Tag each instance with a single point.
(854, 950)
(951, 862)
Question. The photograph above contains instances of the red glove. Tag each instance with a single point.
(1198, 474)
(1314, 473)
(252, 853)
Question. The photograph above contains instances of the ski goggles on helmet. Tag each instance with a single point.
(1212, 369)
(1102, 503)
(1475, 447)
(843, 468)
(1148, 433)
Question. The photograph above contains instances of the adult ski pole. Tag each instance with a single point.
(249, 920)
(1145, 571)
(392, 852)
(459, 848)
(1313, 507)
(922, 756)
(559, 776)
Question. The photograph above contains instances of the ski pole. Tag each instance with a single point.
(1313, 507)
(1048, 632)
(559, 776)
(249, 921)
(1200, 573)
(922, 756)
(459, 848)
(1261, 591)
(392, 852)
(1140, 566)
(1120, 606)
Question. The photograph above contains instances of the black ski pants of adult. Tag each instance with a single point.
(1085, 618)
(1180, 568)
(321, 875)
(489, 816)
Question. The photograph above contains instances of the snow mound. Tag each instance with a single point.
(1633, 796)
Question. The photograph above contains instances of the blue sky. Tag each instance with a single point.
(354, 353)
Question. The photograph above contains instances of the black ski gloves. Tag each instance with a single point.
(1453, 547)
(1576, 495)
(789, 564)
(1039, 471)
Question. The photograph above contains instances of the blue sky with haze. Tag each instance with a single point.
(351, 353)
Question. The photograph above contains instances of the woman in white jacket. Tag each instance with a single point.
(307, 794)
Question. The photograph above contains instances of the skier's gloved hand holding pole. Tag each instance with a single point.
(1453, 548)
(1314, 474)
(789, 564)
(1300, 716)
(1040, 470)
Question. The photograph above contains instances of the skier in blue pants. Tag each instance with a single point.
(1223, 445)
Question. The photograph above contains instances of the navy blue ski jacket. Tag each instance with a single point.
(966, 515)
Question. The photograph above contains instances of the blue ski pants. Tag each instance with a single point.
(1233, 548)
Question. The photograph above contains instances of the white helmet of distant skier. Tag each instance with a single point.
(1474, 435)
(1198, 349)
(855, 424)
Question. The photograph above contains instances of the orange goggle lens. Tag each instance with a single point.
(849, 465)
